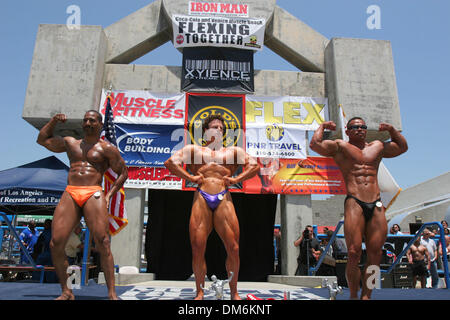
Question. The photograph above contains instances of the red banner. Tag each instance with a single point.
(152, 178)
(314, 175)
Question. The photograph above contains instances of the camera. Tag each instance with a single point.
(306, 234)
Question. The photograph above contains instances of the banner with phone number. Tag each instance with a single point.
(313, 175)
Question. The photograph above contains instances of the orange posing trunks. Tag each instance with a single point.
(81, 194)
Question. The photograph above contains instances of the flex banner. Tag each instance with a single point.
(232, 32)
(276, 126)
(313, 175)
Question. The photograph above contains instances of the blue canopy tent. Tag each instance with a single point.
(33, 188)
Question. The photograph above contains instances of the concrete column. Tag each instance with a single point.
(296, 213)
(66, 76)
(126, 246)
(360, 75)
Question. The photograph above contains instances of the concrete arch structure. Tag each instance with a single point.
(70, 68)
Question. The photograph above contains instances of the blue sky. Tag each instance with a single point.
(418, 31)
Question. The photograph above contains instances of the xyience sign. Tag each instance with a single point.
(240, 33)
(214, 69)
(216, 8)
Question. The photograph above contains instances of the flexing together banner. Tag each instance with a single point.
(151, 127)
(211, 31)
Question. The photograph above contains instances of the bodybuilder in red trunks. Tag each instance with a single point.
(213, 167)
(89, 158)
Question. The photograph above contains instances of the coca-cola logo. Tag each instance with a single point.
(180, 39)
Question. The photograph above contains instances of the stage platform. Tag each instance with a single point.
(185, 290)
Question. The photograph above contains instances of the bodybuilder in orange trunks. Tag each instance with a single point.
(89, 158)
(213, 167)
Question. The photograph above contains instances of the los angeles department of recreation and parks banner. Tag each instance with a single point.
(215, 31)
(276, 126)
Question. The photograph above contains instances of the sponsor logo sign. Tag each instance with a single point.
(197, 31)
(214, 69)
(143, 107)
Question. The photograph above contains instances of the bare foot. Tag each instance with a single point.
(66, 295)
(113, 297)
(199, 295)
(235, 297)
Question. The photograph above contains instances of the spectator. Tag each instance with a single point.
(447, 240)
(328, 266)
(396, 230)
(73, 245)
(309, 251)
(429, 243)
(41, 250)
(445, 225)
(416, 257)
(43, 254)
(28, 237)
(277, 244)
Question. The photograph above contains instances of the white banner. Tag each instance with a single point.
(276, 126)
(275, 141)
(197, 31)
(303, 113)
(144, 107)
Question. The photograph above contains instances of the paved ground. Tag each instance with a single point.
(185, 290)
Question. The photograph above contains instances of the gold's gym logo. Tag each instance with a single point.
(274, 132)
(233, 128)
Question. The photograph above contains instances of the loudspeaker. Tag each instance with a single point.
(413, 227)
(386, 280)
(340, 273)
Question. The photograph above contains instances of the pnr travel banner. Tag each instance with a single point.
(144, 107)
(314, 175)
(276, 126)
(197, 31)
(148, 145)
(152, 178)
(275, 141)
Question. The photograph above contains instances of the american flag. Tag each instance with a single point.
(117, 213)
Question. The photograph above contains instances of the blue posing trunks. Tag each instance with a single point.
(213, 200)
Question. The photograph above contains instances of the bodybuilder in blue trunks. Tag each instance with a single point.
(213, 167)
(363, 211)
